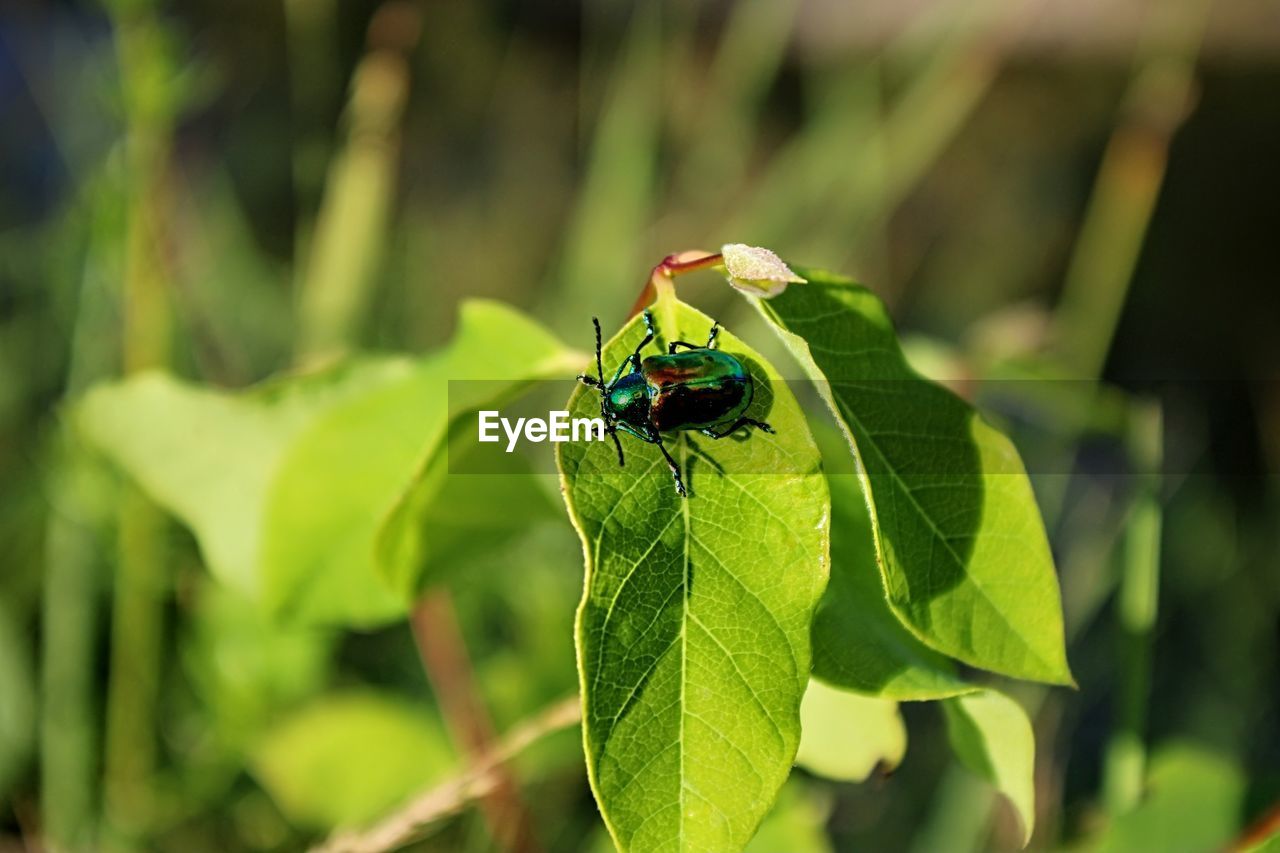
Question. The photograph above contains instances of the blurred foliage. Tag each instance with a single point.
(176, 179)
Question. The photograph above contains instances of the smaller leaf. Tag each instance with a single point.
(858, 643)
(756, 271)
(348, 472)
(962, 548)
(1192, 803)
(992, 736)
(445, 519)
(350, 758)
(797, 821)
(209, 456)
(246, 667)
(287, 485)
(845, 736)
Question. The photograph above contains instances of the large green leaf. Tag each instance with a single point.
(210, 457)
(858, 644)
(847, 736)
(348, 758)
(693, 633)
(287, 486)
(444, 519)
(962, 548)
(992, 736)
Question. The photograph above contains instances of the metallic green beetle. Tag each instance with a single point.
(700, 389)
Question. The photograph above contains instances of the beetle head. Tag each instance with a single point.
(607, 414)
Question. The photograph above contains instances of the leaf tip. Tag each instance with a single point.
(757, 271)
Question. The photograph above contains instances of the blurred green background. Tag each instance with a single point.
(1073, 205)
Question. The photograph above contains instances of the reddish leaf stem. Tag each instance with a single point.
(670, 267)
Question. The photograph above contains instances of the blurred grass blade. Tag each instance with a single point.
(616, 199)
(693, 633)
(69, 631)
(1125, 765)
(1128, 183)
(853, 162)
(746, 63)
(17, 702)
(153, 91)
(346, 248)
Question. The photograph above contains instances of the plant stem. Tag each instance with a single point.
(443, 650)
(311, 41)
(137, 624)
(666, 271)
(450, 797)
(69, 621)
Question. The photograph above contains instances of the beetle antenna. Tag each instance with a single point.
(604, 412)
(599, 360)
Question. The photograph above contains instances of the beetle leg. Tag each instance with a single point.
(613, 433)
(711, 341)
(633, 360)
(735, 426)
(648, 323)
(652, 333)
(671, 463)
(589, 381)
(629, 429)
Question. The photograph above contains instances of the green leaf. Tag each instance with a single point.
(287, 486)
(344, 476)
(962, 548)
(210, 457)
(1192, 802)
(349, 758)
(693, 633)
(846, 736)
(244, 667)
(992, 736)
(858, 644)
(796, 824)
(444, 519)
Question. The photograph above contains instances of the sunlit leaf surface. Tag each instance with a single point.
(693, 634)
(962, 548)
(992, 736)
(287, 486)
